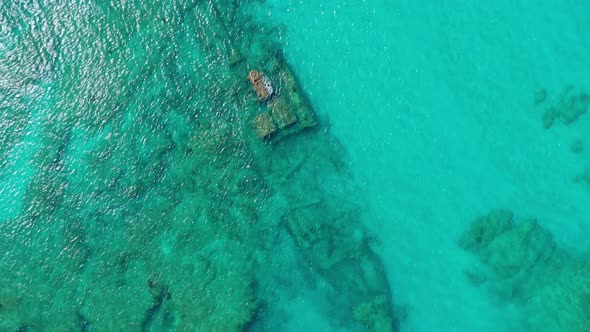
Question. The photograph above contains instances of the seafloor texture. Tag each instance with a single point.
(441, 107)
(136, 195)
(150, 181)
(520, 263)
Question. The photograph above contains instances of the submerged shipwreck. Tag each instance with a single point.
(326, 227)
(287, 112)
(205, 204)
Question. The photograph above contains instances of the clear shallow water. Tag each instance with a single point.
(130, 173)
(436, 106)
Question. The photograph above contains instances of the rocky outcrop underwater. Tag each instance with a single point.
(568, 109)
(140, 194)
(519, 263)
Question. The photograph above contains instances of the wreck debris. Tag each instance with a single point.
(261, 85)
(281, 113)
(287, 108)
(264, 125)
(338, 249)
(189, 259)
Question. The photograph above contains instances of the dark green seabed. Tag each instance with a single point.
(136, 195)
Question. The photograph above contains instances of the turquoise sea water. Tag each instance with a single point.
(136, 196)
(435, 103)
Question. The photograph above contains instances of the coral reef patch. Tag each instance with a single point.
(518, 261)
(567, 107)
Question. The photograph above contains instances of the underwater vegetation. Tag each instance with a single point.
(518, 261)
(569, 107)
(138, 195)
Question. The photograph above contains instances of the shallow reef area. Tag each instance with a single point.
(138, 195)
(569, 107)
(518, 262)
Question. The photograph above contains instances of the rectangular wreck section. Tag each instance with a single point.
(285, 105)
(281, 113)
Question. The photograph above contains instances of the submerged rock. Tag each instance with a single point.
(375, 314)
(540, 96)
(568, 107)
(583, 176)
(483, 230)
(562, 302)
(521, 263)
(577, 146)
